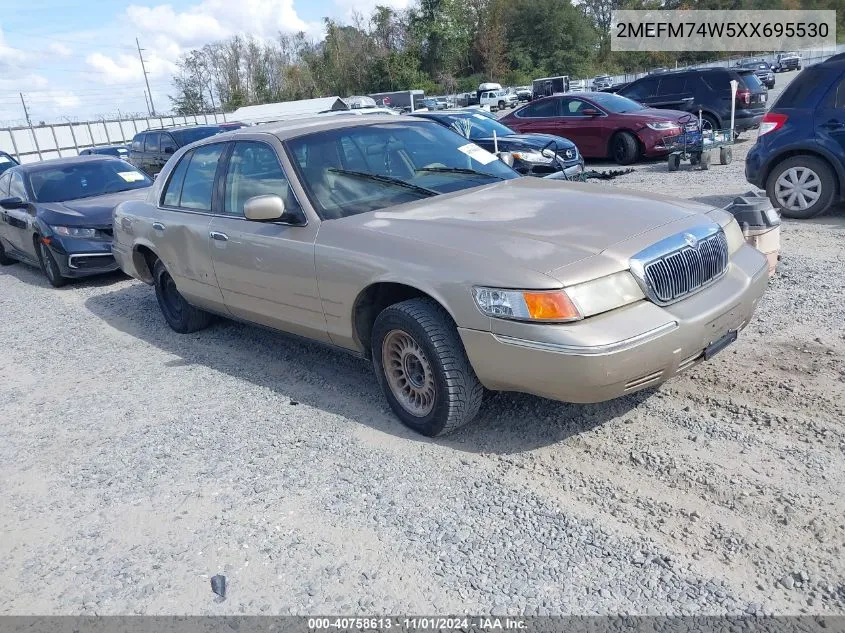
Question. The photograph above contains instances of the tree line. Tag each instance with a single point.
(440, 46)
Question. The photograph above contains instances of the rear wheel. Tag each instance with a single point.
(422, 368)
(179, 314)
(501, 105)
(709, 123)
(624, 148)
(801, 187)
(49, 266)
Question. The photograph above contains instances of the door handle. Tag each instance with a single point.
(158, 226)
(833, 124)
(221, 237)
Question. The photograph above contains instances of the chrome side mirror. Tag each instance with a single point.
(506, 158)
(264, 208)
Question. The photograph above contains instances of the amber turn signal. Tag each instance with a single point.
(550, 306)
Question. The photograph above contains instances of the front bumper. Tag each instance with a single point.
(621, 351)
(82, 258)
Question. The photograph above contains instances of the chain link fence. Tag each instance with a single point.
(33, 143)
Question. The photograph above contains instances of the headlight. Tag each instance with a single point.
(734, 236)
(74, 231)
(605, 293)
(533, 156)
(559, 306)
(663, 125)
(551, 306)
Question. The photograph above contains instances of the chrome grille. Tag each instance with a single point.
(682, 264)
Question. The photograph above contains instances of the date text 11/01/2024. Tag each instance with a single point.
(462, 623)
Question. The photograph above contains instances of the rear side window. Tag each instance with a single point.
(198, 185)
(17, 188)
(798, 94)
(151, 142)
(174, 187)
(138, 143)
(718, 80)
(672, 85)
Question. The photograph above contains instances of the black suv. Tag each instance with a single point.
(799, 157)
(708, 90)
(151, 149)
(763, 71)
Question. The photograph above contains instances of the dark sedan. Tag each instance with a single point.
(763, 71)
(534, 154)
(119, 151)
(603, 124)
(57, 214)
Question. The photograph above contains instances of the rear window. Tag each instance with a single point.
(190, 135)
(751, 81)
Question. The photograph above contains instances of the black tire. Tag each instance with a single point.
(457, 392)
(180, 315)
(694, 158)
(673, 162)
(726, 155)
(624, 148)
(827, 186)
(5, 260)
(708, 121)
(704, 161)
(49, 266)
(501, 105)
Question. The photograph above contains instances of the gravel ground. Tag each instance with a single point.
(136, 463)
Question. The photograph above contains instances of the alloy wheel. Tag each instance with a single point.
(408, 373)
(798, 188)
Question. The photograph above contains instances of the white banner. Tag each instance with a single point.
(693, 30)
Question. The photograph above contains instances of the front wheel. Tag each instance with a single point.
(180, 315)
(49, 266)
(624, 148)
(801, 187)
(422, 367)
(5, 260)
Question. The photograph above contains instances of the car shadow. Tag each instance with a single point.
(331, 380)
(35, 277)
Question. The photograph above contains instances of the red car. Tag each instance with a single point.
(602, 124)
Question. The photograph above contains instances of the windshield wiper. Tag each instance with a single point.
(385, 179)
(459, 170)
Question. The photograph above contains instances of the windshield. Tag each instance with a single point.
(189, 135)
(615, 103)
(349, 170)
(85, 180)
(475, 126)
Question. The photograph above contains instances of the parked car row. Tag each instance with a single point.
(399, 240)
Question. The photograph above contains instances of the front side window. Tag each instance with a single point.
(672, 85)
(198, 185)
(5, 180)
(254, 170)
(85, 180)
(574, 107)
(640, 89)
(540, 109)
(138, 143)
(17, 189)
(193, 134)
(394, 163)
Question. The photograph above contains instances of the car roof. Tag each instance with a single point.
(179, 128)
(298, 127)
(61, 162)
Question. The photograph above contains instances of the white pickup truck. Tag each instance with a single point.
(498, 99)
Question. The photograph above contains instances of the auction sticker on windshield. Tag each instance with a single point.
(131, 176)
(477, 153)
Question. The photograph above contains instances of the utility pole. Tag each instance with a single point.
(146, 80)
(25, 112)
(213, 107)
(147, 103)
